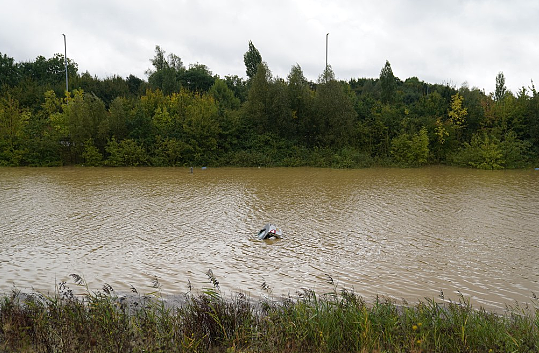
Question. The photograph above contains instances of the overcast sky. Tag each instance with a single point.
(453, 41)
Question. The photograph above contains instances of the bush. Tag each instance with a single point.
(486, 151)
(517, 153)
(92, 156)
(127, 153)
(411, 150)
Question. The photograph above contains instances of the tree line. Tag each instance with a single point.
(188, 116)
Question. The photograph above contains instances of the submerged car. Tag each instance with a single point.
(269, 232)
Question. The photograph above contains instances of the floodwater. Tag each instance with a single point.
(400, 233)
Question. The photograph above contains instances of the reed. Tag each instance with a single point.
(339, 321)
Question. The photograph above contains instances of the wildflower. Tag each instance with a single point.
(414, 327)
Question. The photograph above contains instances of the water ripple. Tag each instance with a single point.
(405, 234)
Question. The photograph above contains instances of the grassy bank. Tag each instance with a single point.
(208, 322)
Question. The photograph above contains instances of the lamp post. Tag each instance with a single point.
(65, 61)
(327, 35)
(326, 69)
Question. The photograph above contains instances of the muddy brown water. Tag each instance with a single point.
(402, 233)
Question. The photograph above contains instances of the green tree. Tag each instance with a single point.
(139, 123)
(432, 106)
(118, 117)
(256, 107)
(126, 153)
(13, 121)
(198, 78)
(91, 155)
(87, 116)
(411, 150)
(327, 75)
(457, 114)
(168, 152)
(201, 128)
(166, 72)
(238, 86)
(226, 100)
(83, 117)
(230, 122)
(177, 106)
(298, 89)
(252, 60)
(521, 114)
(300, 98)
(9, 72)
(533, 117)
(516, 153)
(472, 102)
(49, 71)
(281, 119)
(501, 90)
(334, 115)
(159, 61)
(420, 147)
(483, 152)
(42, 140)
(135, 85)
(106, 89)
(162, 121)
(413, 90)
(388, 83)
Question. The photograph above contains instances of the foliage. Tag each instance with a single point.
(165, 75)
(411, 150)
(224, 96)
(198, 78)
(483, 152)
(13, 120)
(256, 108)
(457, 114)
(488, 152)
(516, 153)
(388, 83)
(168, 152)
(8, 71)
(334, 115)
(127, 153)
(252, 60)
(189, 116)
(48, 71)
(501, 90)
(104, 321)
(13, 123)
(91, 155)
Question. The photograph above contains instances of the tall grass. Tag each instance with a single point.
(340, 321)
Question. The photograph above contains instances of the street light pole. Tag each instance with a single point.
(326, 70)
(65, 61)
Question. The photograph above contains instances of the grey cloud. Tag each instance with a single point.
(437, 41)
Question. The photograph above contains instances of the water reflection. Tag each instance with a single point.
(402, 233)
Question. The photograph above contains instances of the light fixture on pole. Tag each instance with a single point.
(65, 61)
